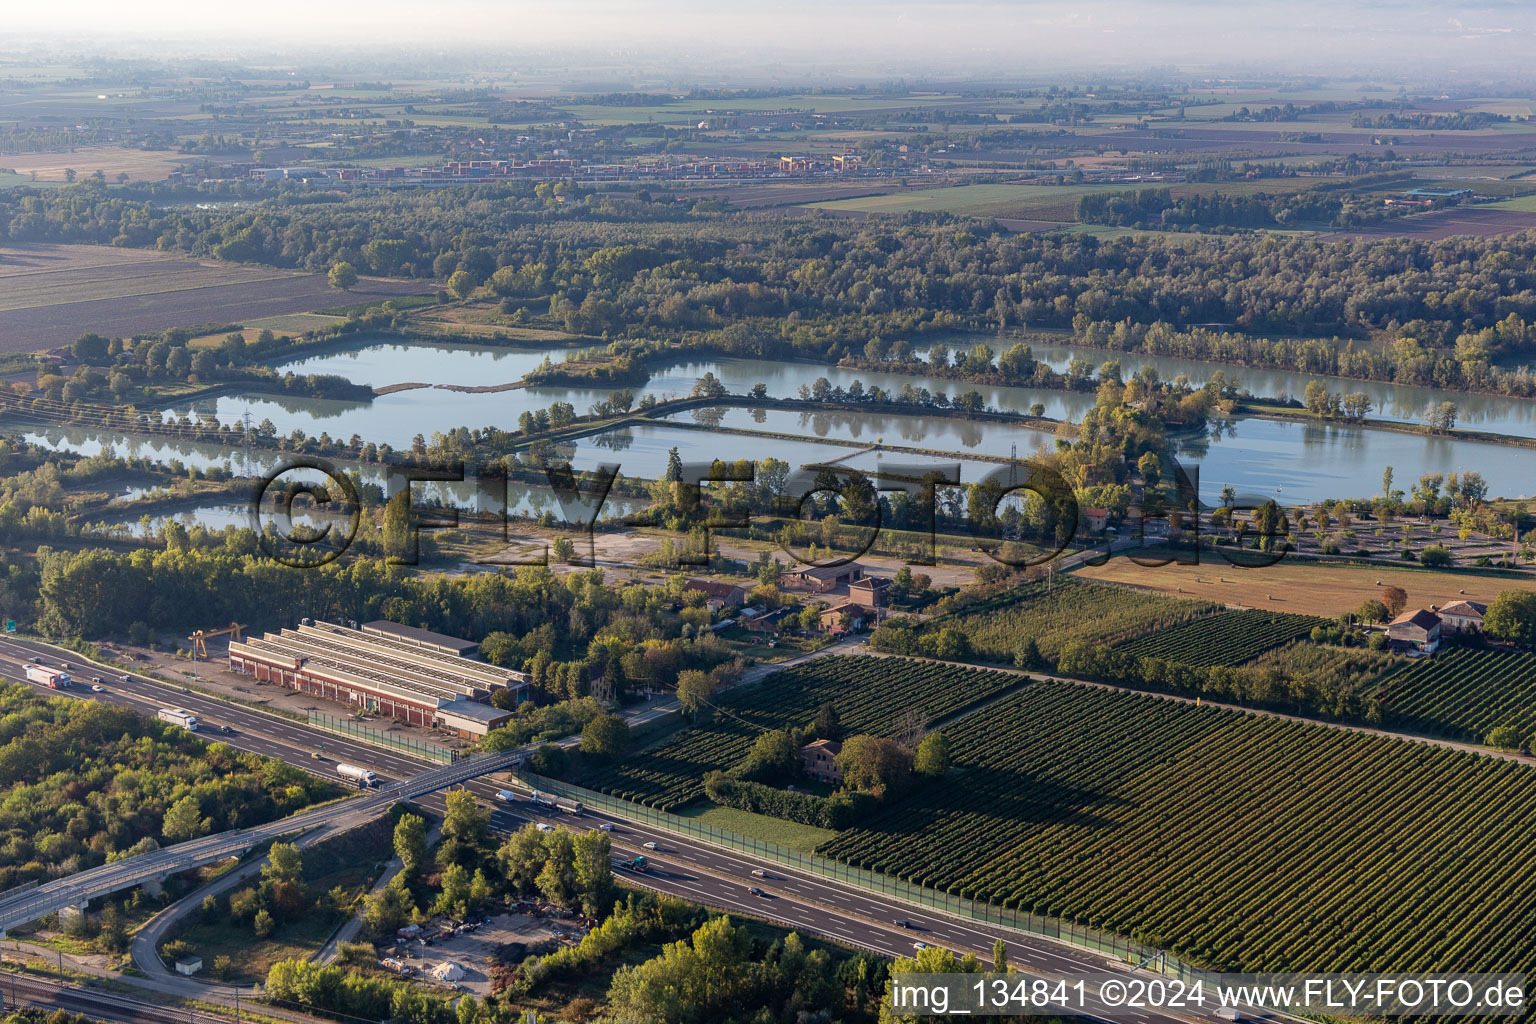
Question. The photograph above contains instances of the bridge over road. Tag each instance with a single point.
(19, 906)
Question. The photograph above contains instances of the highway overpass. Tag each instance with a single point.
(19, 906)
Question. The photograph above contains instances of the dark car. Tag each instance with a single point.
(226, 730)
(755, 891)
(904, 923)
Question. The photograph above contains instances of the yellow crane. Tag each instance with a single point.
(234, 629)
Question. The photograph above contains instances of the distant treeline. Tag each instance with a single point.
(1156, 207)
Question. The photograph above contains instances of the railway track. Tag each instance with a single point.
(17, 991)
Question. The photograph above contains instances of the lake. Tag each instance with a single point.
(1302, 462)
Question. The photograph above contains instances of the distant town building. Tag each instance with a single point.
(1417, 630)
(818, 759)
(1096, 518)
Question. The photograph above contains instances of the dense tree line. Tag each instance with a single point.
(575, 633)
(1425, 353)
(643, 265)
(88, 782)
(1156, 207)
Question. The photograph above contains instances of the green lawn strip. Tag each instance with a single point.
(757, 826)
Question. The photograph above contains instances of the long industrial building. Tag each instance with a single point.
(411, 674)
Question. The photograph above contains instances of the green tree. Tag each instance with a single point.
(775, 754)
(90, 348)
(1504, 737)
(874, 763)
(694, 689)
(386, 911)
(1028, 654)
(411, 842)
(453, 894)
(827, 725)
(284, 864)
(592, 862)
(184, 820)
(462, 283)
(1511, 617)
(387, 256)
(999, 956)
(464, 821)
(263, 924)
(605, 736)
(557, 879)
(932, 758)
(522, 857)
(1372, 610)
(343, 276)
(1435, 555)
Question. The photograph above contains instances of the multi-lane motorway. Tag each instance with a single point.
(681, 866)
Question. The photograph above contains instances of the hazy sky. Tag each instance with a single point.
(1022, 33)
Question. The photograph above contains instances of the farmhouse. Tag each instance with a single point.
(386, 669)
(841, 618)
(1417, 630)
(718, 594)
(1463, 616)
(818, 759)
(1096, 518)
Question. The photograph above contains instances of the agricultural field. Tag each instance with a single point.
(1327, 665)
(1297, 585)
(1464, 693)
(1234, 841)
(1229, 638)
(870, 694)
(1049, 203)
(1069, 609)
(111, 161)
(1519, 204)
(1036, 202)
(292, 323)
(52, 294)
(1490, 220)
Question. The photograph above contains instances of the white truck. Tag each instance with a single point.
(52, 678)
(361, 776)
(541, 799)
(176, 716)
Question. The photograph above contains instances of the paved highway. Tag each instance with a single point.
(681, 866)
(19, 907)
